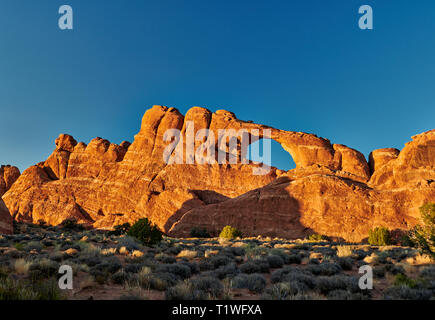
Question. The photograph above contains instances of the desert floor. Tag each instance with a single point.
(119, 267)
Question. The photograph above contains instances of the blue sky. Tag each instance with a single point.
(296, 65)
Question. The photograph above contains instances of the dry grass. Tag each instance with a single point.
(420, 259)
(21, 266)
(344, 251)
(189, 254)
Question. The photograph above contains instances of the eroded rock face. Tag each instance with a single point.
(8, 175)
(6, 226)
(332, 191)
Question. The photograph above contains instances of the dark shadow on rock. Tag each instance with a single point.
(202, 198)
(268, 211)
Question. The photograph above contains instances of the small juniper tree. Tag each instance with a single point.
(145, 232)
(229, 232)
(423, 235)
(380, 236)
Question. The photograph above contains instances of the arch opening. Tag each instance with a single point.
(278, 157)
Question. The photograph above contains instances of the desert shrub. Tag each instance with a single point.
(254, 282)
(293, 259)
(42, 269)
(275, 261)
(184, 291)
(253, 250)
(423, 235)
(164, 258)
(379, 271)
(360, 254)
(22, 290)
(222, 272)
(177, 269)
(428, 273)
(173, 250)
(193, 266)
(147, 233)
(206, 265)
(229, 232)
(15, 290)
(57, 256)
(235, 251)
(220, 260)
(317, 237)
(119, 229)
(33, 245)
(120, 277)
(380, 236)
(89, 259)
(250, 267)
(110, 264)
(394, 269)
(47, 290)
(280, 291)
(403, 280)
(212, 286)
(159, 281)
(133, 268)
(298, 278)
(403, 292)
(71, 224)
(337, 282)
(199, 233)
(346, 263)
(278, 275)
(325, 251)
(324, 269)
(19, 246)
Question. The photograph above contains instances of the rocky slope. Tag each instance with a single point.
(332, 191)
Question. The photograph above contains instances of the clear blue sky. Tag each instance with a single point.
(296, 65)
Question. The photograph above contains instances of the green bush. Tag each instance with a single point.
(199, 233)
(119, 229)
(145, 232)
(403, 280)
(229, 232)
(380, 236)
(423, 236)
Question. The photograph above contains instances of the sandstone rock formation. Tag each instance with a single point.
(6, 226)
(8, 175)
(332, 191)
